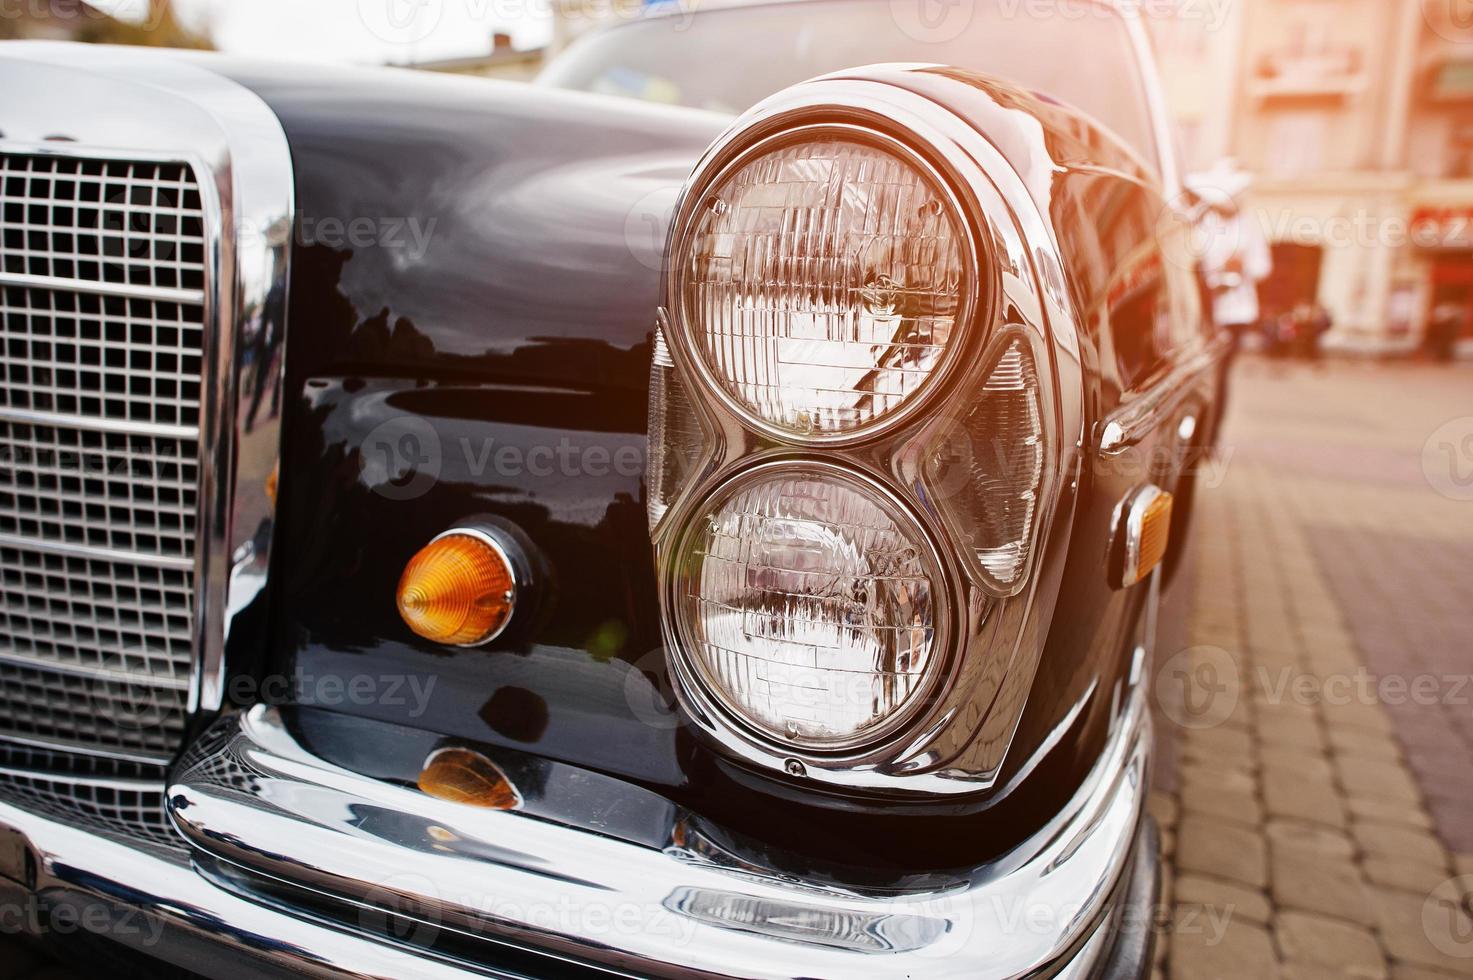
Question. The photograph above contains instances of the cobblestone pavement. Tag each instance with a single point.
(1315, 778)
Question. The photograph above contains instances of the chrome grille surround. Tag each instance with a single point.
(102, 350)
(145, 213)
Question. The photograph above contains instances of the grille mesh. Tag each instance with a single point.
(113, 221)
(102, 323)
(113, 357)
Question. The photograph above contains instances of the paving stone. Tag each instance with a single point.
(1439, 937)
(1378, 780)
(1250, 903)
(1406, 971)
(1314, 939)
(1359, 744)
(1298, 970)
(1308, 839)
(1214, 744)
(1388, 811)
(1288, 731)
(1399, 873)
(1293, 761)
(1364, 719)
(1454, 822)
(1215, 949)
(1396, 841)
(1225, 795)
(1286, 795)
(1222, 850)
(1314, 882)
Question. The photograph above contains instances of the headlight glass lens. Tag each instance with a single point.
(809, 606)
(822, 283)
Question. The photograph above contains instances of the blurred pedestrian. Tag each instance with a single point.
(1444, 329)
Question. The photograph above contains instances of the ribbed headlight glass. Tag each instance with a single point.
(808, 606)
(822, 283)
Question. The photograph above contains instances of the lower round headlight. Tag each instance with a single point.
(807, 606)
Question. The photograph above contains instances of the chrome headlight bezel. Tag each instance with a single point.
(955, 743)
(772, 135)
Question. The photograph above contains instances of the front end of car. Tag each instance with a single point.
(412, 570)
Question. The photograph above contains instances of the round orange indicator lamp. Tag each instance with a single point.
(459, 590)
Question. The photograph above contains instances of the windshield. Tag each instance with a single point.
(1073, 51)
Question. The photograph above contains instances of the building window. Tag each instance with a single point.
(1460, 149)
(1296, 143)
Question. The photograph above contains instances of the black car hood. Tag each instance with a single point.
(491, 216)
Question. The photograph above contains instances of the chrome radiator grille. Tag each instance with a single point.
(102, 325)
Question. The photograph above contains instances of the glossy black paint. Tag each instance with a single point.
(522, 327)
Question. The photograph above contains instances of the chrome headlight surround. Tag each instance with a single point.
(955, 740)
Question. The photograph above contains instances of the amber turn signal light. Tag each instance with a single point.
(463, 776)
(459, 590)
(1148, 531)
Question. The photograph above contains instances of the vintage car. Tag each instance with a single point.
(453, 528)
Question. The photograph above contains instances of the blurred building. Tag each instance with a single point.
(1356, 119)
(503, 61)
(76, 20)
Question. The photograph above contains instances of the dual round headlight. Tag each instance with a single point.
(808, 605)
(822, 277)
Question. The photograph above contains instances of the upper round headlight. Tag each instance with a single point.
(822, 279)
(807, 605)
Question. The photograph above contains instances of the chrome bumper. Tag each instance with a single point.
(302, 867)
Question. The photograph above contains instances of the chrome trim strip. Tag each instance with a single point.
(96, 100)
(189, 297)
(91, 782)
(1134, 420)
(99, 554)
(95, 673)
(59, 421)
(62, 745)
(264, 802)
(163, 908)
